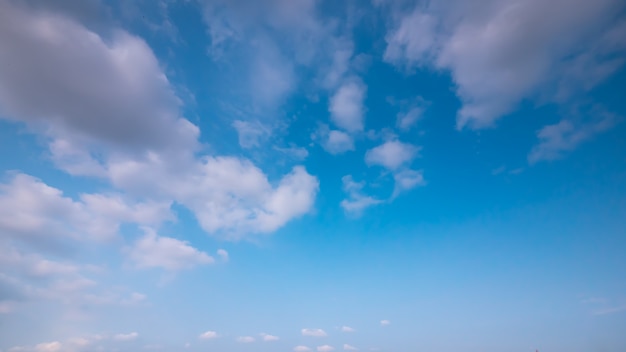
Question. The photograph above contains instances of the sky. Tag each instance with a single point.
(312, 175)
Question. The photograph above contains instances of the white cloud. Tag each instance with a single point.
(245, 339)
(153, 251)
(301, 349)
(226, 194)
(385, 322)
(325, 348)
(406, 180)
(356, 201)
(347, 347)
(113, 114)
(208, 335)
(346, 106)
(564, 136)
(126, 337)
(500, 53)
(115, 94)
(347, 329)
(251, 133)
(35, 212)
(335, 142)
(392, 154)
(314, 332)
(268, 337)
(223, 254)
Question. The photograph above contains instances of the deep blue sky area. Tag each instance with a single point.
(312, 175)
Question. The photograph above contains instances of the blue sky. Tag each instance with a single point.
(308, 175)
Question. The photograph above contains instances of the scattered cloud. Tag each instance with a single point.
(268, 337)
(385, 322)
(564, 136)
(406, 180)
(356, 201)
(347, 329)
(126, 337)
(325, 348)
(208, 335)
(245, 339)
(537, 46)
(346, 106)
(301, 349)
(347, 347)
(392, 154)
(314, 332)
(153, 251)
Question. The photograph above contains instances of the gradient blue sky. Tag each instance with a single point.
(308, 175)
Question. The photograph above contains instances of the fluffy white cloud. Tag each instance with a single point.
(112, 113)
(126, 337)
(245, 339)
(347, 347)
(325, 348)
(301, 349)
(153, 251)
(32, 211)
(313, 332)
(208, 335)
(346, 106)
(564, 136)
(226, 194)
(356, 201)
(502, 52)
(49, 347)
(347, 329)
(385, 322)
(392, 154)
(58, 76)
(269, 338)
(334, 141)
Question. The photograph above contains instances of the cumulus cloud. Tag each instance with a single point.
(126, 337)
(245, 339)
(334, 141)
(301, 349)
(208, 335)
(313, 332)
(325, 348)
(347, 329)
(32, 211)
(500, 53)
(113, 114)
(153, 251)
(385, 322)
(268, 337)
(357, 200)
(347, 347)
(392, 154)
(58, 76)
(346, 106)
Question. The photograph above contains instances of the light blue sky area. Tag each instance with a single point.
(308, 175)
